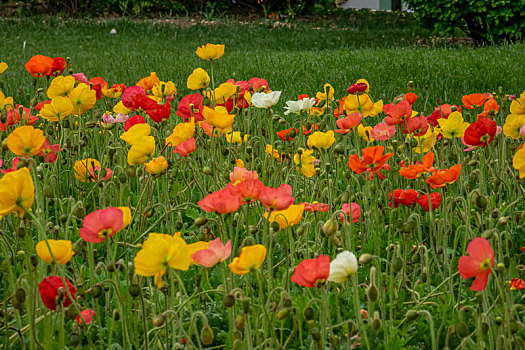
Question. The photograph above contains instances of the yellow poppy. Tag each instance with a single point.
(218, 118)
(17, 192)
(61, 86)
(3, 67)
(250, 259)
(321, 139)
(210, 52)
(25, 141)
(428, 140)
(120, 108)
(156, 165)
(513, 125)
(126, 216)
(181, 132)
(62, 251)
(82, 98)
(363, 104)
(454, 126)
(142, 149)
(59, 108)
(364, 132)
(235, 137)
(136, 132)
(85, 169)
(303, 160)
(287, 217)
(517, 106)
(162, 89)
(197, 80)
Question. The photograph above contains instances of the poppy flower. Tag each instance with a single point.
(250, 259)
(441, 178)
(236, 137)
(222, 202)
(259, 84)
(517, 106)
(118, 118)
(62, 251)
(210, 52)
(404, 197)
(214, 254)
(114, 91)
(287, 217)
(219, 118)
(353, 210)
(190, 106)
(160, 112)
(101, 224)
(481, 132)
(136, 99)
(288, 134)
(357, 88)
(372, 158)
(435, 199)
(159, 252)
(89, 170)
(478, 263)
(311, 273)
(57, 109)
(198, 80)
(81, 78)
(490, 108)
(141, 150)
(343, 267)
(185, 148)
(241, 174)
(382, 131)
(248, 189)
(265, 100)
(60, 87)
(321, 140)
(517, 284)
(303, 160)
(299, 106)
(411, 98)
(347, 123)
(156, 166)
(52, 291)
(39, 66)
(362, 104)
(416, 125)
(58, 67)
(86, 316)
(425, 142)
(17, 115)
(148, 82)
(311, 130)
(473, 100)
(316, 207)
(14, 166)
(513, 126)
(25, 141)
(97, 84)
(164, 91)
(136, 119)
(414, 171)
(49, 152)
(279, 198)
(453, 126)
(365, 132)
(82, 98)
(397, 112)
(17, 192)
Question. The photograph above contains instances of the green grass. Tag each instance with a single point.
(295, 60)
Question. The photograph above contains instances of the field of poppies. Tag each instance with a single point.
(239, 215)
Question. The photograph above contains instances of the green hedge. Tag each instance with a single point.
(485, 21)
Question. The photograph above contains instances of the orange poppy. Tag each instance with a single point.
(441, 178)
(372, 159)
(473, 100)
(411, 98)
(490, 108)
(416, 170)
(39, 66)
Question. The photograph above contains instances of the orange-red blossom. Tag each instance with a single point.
(372, 158)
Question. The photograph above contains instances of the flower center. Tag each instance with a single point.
(105, 233)
(485, 264)
(485, 138)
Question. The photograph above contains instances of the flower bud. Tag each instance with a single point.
(246, 306)
(282, 314)
(411, 315)
(462, 329)
(159, 320)
(20, 295)
(115, 315)
(365, 259)
(75, 339)
(275, 226)
(134, 290)
(372, 293)
(330, 227)
(308, 313)
(376, 322)
(201, 221)
(239, 322)
(397, 264)
(206, 335)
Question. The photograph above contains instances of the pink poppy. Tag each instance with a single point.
(279, 198)
(216, 253)
(248, 189)
(478, 263)
(346, 124)
(241, 174)
(397, 113)
(313, 207)
(101, 224)
(222, 202)
(185, 148)
(417, 126)
(383, 131)
(81, 77)
(356, 212)
(87, 317)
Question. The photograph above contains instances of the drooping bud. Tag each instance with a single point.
(239, 322)
(206, 335)
(365, 259)
(330, 227)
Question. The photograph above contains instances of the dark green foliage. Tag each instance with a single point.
(485, 21)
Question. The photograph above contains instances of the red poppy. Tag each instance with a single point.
(473, 100)
(49, 152)
(522, 249)
(417, 126)
(160, 112)
(14, 166)
(442, 111)
(185, 148)
(14, 117)
(435, 198)
(279, 198)
(97, 83)
(40, 105)
(190, 106)
(315, 207)
(357, 88)
(481, 132)
(441, 178)
(136, 119)
(87, 317)
(478, 263)
(372, 159)
(52, 291)
(400, 196)
(355, 212)
(517, 284)
(222, 202)
(411, 98)
(58, 67)
(248, 189)
(101, 224)
(312, 272)
(288, 134)
(259, 84)
(136, 99)
(397, 113)
(311, 130)
(346, 124)
(39, 66)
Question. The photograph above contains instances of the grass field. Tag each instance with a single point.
(361, 259)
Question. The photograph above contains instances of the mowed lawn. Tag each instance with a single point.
(386, 50)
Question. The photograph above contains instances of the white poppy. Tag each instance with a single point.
(299, 106)
(262, 100)
(342, 267)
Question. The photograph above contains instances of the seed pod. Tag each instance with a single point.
(20, 295)
(506, 261)
(339, 148)
(131, 171)
(424, 274)
(96, 291)
(206, 335)
(115, 315)
(275, 226)
(239, 322)
(330, 227)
